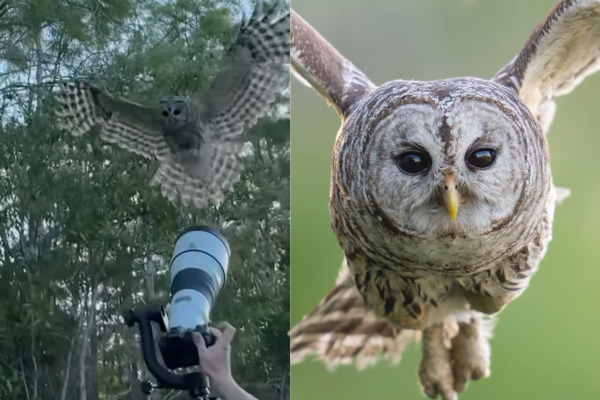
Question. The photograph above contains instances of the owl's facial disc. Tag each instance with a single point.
(442, 170)
(174, 111)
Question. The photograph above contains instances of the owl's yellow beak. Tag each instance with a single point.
(452, 197)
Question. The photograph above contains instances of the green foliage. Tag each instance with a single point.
(83, 236)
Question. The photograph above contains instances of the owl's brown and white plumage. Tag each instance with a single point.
(197, 141)
(441, 198)
(341, 330)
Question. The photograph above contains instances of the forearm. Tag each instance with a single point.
(229, 390)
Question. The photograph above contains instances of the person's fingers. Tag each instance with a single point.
(216, 333)
(227, 336)
(199, 342)
(221, 325)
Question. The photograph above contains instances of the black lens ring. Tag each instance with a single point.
(198, 280)
(208, 254)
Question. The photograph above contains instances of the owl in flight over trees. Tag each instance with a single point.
(196, 140)
(441, 198)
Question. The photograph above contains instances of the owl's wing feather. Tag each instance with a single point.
(243, 94)
(124, 123)
(318, 64)
(265, 38)
(341, 330)
(254, 75)
(218, 169)
(560, 53)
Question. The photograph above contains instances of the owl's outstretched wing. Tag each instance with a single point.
(341, 330)
(217, 169)
(254, 74)
(319, 65)
(558, 55)
(126, 124)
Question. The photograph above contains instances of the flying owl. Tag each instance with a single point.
(441, 198)
(197, 140)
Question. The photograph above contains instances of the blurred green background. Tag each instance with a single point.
(546, 342)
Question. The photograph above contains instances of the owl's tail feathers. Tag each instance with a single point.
(204, 183)
(77, 112)
(267, 33)
(179, 187)
(341, 330)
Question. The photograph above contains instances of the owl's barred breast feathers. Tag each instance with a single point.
(199, 162)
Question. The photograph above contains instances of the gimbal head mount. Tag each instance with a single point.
(198, 272)
(177, 349)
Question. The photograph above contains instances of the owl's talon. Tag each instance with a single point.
(470, 355)
(460, 381)
(435, 369)
(434, 391)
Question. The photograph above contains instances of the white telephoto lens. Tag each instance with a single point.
(198, 270)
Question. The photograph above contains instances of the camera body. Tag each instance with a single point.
(178, 350)
(198, 271)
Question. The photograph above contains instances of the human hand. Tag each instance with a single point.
(215, 360)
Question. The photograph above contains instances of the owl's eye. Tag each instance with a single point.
(177, 112)
(166, 114)
(412, 162)
(482, 158)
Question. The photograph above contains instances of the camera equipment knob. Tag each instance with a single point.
(209, 338)
(129, 318)
(147, 388)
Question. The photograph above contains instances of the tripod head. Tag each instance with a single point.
(198, 272)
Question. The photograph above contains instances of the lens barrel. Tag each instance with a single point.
(198, 268)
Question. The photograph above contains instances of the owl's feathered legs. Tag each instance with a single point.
(453, 354)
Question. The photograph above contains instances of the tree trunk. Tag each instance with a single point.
(67, 373)
(93, 387)
(85, 338)
(149, 274)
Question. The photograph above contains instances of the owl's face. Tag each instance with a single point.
(175, 111)
(459, 157)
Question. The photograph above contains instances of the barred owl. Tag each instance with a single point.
(441, 198)
(197, 140)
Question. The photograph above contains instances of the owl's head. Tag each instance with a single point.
(453, 158)
(175, 111)
(459, 156)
